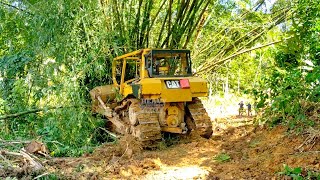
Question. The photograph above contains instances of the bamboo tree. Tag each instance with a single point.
(241, 43)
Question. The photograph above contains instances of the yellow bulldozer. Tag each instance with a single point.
(153, 91)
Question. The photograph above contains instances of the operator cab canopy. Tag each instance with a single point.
(168, 63)
(151, 63)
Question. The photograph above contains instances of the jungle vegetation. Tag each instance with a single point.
(52, 53)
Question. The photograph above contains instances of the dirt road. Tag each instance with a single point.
(237, 150)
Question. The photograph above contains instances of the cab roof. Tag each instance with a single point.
(152, 51)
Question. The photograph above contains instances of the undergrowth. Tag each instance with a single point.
(222, 157)
(292, 98)
(299, 173)
(66, 132)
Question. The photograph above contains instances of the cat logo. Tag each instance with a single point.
(173, 84)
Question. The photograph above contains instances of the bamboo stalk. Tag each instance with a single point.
(137, 24)
(210, 63)
(35, 165)
(161, 31)
(34, 111)
(186, 23)
(154, 20)
(195, 25)
(209, 68)
(179, 18)
(13, 142)
(145, 23)
(114, 136)
(41, 175)
(260, 31)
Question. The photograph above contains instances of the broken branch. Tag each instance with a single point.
(35, 111)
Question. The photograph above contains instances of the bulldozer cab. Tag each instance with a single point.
(126, 70)
(168, 63)
(130, 68)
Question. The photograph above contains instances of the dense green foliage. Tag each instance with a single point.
(47, 56)
(294, 80)
(53, 52)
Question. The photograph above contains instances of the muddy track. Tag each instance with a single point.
(238, 151)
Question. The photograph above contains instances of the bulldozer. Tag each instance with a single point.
(153, 91)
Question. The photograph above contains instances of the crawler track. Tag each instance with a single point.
(200, 118)
(147, 129)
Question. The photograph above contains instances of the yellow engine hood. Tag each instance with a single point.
(155, 88)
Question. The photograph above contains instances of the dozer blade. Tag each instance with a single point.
(106, 93)
(102, 95)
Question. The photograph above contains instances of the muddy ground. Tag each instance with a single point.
(237, 150)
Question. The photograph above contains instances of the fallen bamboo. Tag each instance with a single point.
(21, 113)
(210, 67)
(3, 142)
(114, 136)
(35, 165)
(5, 160)
(42, 175)
(36, 111)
